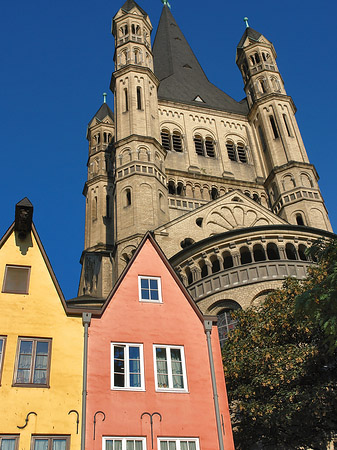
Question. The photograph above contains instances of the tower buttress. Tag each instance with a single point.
(140, 195)
(291, 181)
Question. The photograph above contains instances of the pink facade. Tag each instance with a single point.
(150, 355)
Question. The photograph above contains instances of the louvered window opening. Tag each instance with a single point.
(165, 140)
(231, 151)
(209, 144)
(199, 147)
(241, 153)
(177, 142)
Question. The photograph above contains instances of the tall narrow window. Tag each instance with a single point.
(107, 213)
(286, 124)
(33, 361)
(127, 197)
(170, 370)
(274, 127)
(199, 145)
(94, 208)
(299, 219)
(231, 150)
(262, 139)
(257, 57)
(263, 86)
(241, 152)
(139, 98)
(127, 366)
(177, 142)
(16, 279)
(209, 145)
(2, 351)
(165, 140)
(126, 99)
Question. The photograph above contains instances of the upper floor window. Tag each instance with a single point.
(128, 366)
(32, 362)
(172, 141)
(170, 370)
(178, 444)
(274, 127)
(236, 152)
(2, 351)
(16, 279)
(149, 289)
(204, 147)
(8, 442)
(124, 443)
(50, 443)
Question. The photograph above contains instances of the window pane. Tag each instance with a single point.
(1, 346)
(59, 444)
(153, 284)
(144, 283)
(130, 445)
(16, 279)
(172, 446)
(183, 445)
(163, 445)
(7, 444)
(154, 294)
(145, 294)
(41, 444)
(162, 371)
(119, 368)
(192, 446)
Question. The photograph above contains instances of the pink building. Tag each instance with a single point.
(149, 366)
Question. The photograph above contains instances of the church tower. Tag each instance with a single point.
(290, 180)
(140, 186)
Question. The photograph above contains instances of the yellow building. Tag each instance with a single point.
(41, 347)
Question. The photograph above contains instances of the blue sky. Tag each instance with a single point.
(57, 60)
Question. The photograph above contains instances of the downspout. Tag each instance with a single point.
(86, 319)
(208, 329)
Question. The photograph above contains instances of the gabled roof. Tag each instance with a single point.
(103, 111)
(129, 4)
(148, 237)
(251, 34)
(181, 77)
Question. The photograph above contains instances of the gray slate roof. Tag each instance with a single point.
(129, 4)
(252, 34)
(181, 77)
(103, 111)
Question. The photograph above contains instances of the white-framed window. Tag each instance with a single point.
(127, 366)
(178, 444)
(124, 443)
(149, 289)
(170, 368)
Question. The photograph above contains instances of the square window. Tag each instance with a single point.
(124, 443)
(149, 289)
(170, 369)
(8, 442)
(127, 366)
(178, 444)
(2, 351)
(16, 279)
(50, 443)
(32, 362)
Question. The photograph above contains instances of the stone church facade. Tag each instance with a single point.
(226, 187)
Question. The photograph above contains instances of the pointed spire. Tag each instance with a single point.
(166, 3)
(129, 4)
(181, 76)
(103, 111)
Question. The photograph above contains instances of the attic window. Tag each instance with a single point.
(177, 39)
(236, 199)
(16, 279)
(187, 66)
(198, 99)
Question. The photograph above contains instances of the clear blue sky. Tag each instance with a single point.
(57, 60)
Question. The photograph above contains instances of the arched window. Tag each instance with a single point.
(177, 142)
(94, 208)
(231, 150)
(299, 219)
(204, 268)
(245, 255)
(241, 152)
(226, 323)
(199, 147)
(286, 124)
(126, 105)
(139, 97)
(259, 253)
(215, 264)
(272, 251)
(274, 127)
(214, 193)
(291, 251)
(165, 140)
(127, 197)
(262, 138)
(263, 88)
(227, 260)
(302, 252)
(257, 58)
(180, 188)
(189, 275)
(209, 145)
(171, 187)
(256, 198)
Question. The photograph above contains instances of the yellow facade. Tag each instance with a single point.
(38, 314)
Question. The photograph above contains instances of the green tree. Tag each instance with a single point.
(282, 384)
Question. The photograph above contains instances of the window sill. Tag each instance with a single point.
(127, 389)
(31, 385)
(173, 391)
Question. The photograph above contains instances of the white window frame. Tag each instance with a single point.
(127, 386)
(123, 439)
(144, 277)
(170, 387)
(177, 441)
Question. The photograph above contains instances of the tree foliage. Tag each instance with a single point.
(281, 376)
